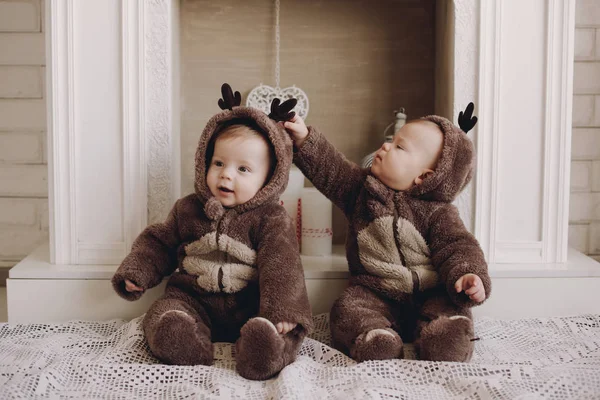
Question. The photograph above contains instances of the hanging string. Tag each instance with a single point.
(261, 96)
(277, 65)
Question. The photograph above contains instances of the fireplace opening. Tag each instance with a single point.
(358, 61)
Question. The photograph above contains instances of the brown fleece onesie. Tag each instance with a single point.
(231, 267)
(405, 251)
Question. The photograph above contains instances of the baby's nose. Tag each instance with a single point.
(226, 173)
(386, 146)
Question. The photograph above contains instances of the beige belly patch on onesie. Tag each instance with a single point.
(226, 265)
(380, 255)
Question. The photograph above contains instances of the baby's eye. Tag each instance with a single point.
(400, 147)
(218, 163)
(243, 169)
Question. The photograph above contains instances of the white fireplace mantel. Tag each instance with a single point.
(113, 133)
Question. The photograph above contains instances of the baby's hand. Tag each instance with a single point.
(285, 327)
(297, 130)
(132, 287)
(473, 287)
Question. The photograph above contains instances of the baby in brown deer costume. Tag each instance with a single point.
(239, 274)
(415, 269)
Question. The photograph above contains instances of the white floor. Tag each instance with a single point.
(3, 312)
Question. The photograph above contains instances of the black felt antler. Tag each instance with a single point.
(229, 99)
(282, 112)
(466, 121)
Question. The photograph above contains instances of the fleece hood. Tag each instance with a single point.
(274, 133)
(454, 169)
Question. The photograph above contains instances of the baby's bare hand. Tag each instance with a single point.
(132, 287)
(297, 130)
(473, 287)
(285, 327)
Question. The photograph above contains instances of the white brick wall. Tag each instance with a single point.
(20, 82)
(579, 237)
(584, 229)
(583, 110)
(23, 169)
(581, 175)
(587, 14)
(596, 118)
(596, 176)
(586, 144)
(585, 39)
(594, 242)
(20, 16)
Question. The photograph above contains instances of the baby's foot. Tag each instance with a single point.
(259, 350)
(447, 339)
(377, 344)
(180, 340)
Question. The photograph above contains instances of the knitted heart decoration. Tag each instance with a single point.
(262, 96)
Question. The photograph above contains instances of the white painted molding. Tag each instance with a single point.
(487, 143)
(525, 251)
(99, 128)
(101, 253)
(559, 105)
(135, 181)
(61, 136)
(496, 225)
(162, 117)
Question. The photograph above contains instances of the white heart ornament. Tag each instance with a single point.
(261, 97)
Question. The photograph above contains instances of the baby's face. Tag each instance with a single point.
(238, 169)
(411, 156)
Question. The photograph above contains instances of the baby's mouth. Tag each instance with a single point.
(225, 190)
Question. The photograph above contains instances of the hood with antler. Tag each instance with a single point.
(455, 166)
(273, 132)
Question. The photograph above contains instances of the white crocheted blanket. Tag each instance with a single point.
(532, 358)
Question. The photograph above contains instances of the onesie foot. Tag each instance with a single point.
(447, 339)
(377, 344)
(177, 339)
(259, 350)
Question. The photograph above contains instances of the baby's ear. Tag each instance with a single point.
(426, 173)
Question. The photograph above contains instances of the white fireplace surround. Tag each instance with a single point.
(113, 144)
(113, 122)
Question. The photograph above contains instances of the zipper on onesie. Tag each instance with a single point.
(415, 277)
(220, 273)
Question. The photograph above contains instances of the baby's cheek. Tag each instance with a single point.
(210, 180)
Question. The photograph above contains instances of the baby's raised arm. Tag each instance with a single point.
(327, 168)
